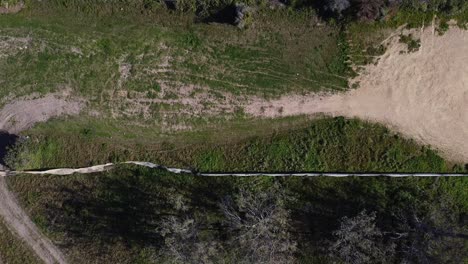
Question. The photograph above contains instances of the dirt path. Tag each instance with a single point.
(23, 113)
(20, 224)
(423, 95)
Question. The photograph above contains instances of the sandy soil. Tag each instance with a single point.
(11, 9)
(423, 95)
(19, 223)
(23, 113)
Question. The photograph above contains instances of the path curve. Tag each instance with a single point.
(20, 224)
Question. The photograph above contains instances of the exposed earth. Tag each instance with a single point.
(23, 113)
(423, 95)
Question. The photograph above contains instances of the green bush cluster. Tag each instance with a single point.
(351, 9)
(331, 144)
(413, 44)
(444, 6)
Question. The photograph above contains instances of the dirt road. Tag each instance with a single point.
(20, 224)
(423, 95)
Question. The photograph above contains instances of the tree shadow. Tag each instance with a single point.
(171, 4)
(225, 15)
(6, 141)
(112, 209)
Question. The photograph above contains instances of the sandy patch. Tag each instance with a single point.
(23, 113)
(423, 95)
(12, 45)
(11, 9)
(172, 101)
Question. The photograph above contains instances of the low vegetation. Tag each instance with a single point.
(329, 144)
(413, 44)
(131, 215)
(133, 62)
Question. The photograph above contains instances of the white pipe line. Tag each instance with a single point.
(109, 166)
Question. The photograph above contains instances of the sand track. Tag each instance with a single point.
(423, 95)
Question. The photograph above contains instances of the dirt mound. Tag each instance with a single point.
(423, 95)
(24, 113)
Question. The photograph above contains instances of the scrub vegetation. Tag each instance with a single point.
(328, 144)
(139, 215)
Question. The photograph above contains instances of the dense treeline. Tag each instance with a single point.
(367, 10)
(139, 215)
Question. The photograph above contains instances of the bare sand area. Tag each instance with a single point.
(23, 113)
(423, 95)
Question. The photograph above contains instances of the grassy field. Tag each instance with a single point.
(135, 69)
(114, 217)
(281, 52)
(139, 70)
(291, 144)
(12, 250)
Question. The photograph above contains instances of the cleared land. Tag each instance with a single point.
(423, 94)
(24, 113)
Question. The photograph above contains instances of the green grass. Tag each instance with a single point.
(81, 51)
(281, 52)
(278, 55)
(13, 250)
(291, 144)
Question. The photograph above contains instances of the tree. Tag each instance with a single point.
(358, 240)
(369, 10)
(182, 242)
(337, 6)
(259, 226)
(438, 235)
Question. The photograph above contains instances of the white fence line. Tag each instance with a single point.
(109, 166)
